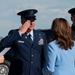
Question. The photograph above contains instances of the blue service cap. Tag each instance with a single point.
(28, 14)
(72, 11)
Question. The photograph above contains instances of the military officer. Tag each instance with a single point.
(28, 45)
(72, 12)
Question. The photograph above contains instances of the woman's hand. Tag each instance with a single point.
(1, 59)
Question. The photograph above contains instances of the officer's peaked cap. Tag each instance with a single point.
(72, 11)
(28, 14)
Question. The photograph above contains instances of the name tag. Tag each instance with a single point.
(21, 41)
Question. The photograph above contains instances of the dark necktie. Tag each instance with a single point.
(29, 38)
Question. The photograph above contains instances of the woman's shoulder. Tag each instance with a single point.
(52, 42)
(54, 45)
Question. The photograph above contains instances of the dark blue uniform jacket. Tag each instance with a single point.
(28, 59)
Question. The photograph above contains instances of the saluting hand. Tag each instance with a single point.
(24, 27)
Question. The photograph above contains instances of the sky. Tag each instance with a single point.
(47, 11)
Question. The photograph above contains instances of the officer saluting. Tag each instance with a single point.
(72, 12)
(28, 57)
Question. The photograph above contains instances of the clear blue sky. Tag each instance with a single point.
(47, 11)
